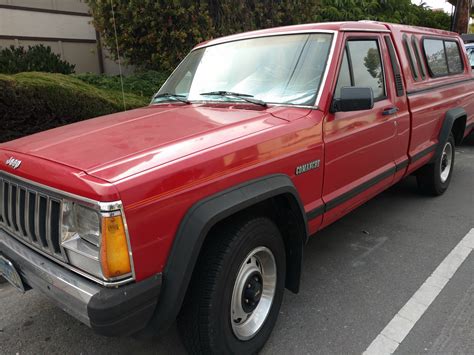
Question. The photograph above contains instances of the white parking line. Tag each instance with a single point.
(398, 328)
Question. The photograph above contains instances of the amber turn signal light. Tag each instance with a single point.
(114, 253)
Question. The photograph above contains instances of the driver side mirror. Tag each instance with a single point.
(353, 98)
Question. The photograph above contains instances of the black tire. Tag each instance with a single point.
(429, 178)
(205, 318)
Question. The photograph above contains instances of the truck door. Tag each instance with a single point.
(359, 145)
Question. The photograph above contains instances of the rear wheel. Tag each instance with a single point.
(434, 178)
(236, 291)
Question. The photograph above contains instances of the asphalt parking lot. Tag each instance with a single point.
(358, 273)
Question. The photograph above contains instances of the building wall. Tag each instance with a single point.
(64, 25)
(77, 6)
(83, 55)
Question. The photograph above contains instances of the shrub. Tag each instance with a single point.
(152, 34)
(33, 102)
(144, 84)
(36, 58)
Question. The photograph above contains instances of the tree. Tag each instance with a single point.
(157, 34)
(373, 65)
(372, 62)
(461, 18)
(152, 34)
(395, 11)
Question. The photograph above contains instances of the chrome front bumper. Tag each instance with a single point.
(71, 292)
(108, 311)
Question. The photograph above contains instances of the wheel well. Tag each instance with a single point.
(284, 211)
(459, 125)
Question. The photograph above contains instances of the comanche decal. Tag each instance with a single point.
(307, 167)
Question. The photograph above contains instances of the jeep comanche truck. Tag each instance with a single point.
(198, 206)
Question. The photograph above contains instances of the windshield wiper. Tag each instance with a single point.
(175, 97)
(245, 97)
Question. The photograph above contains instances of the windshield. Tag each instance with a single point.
(277, 70)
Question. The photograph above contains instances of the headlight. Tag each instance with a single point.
(95, 242)
(82, 222)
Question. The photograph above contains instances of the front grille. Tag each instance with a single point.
(31, 215)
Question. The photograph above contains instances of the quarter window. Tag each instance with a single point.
(344, 76)
(362, 67)
(443, 57)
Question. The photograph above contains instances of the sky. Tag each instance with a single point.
(436, 4)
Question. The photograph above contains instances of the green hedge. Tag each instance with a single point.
(35, 58)
(142, 84)
(33, 102)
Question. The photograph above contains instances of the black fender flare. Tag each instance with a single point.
(194, 227)
(451, 116)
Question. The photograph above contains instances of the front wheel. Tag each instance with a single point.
(434, 178)
(236, 291)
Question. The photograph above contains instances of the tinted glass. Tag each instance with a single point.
(454, 57)
(344, 76)
(367, 66)
(470, 55)
(279, 69)
(435, 56)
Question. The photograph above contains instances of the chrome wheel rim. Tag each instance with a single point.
(446, 162)
(253, 293)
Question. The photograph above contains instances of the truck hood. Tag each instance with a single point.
(117, 146)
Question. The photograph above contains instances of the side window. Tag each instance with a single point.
(435, 56)
(454, 57)
(443, 56)
(344, 76)
(362, 66)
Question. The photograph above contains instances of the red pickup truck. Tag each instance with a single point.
(198, 206)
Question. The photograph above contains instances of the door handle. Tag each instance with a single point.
(390, 111)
